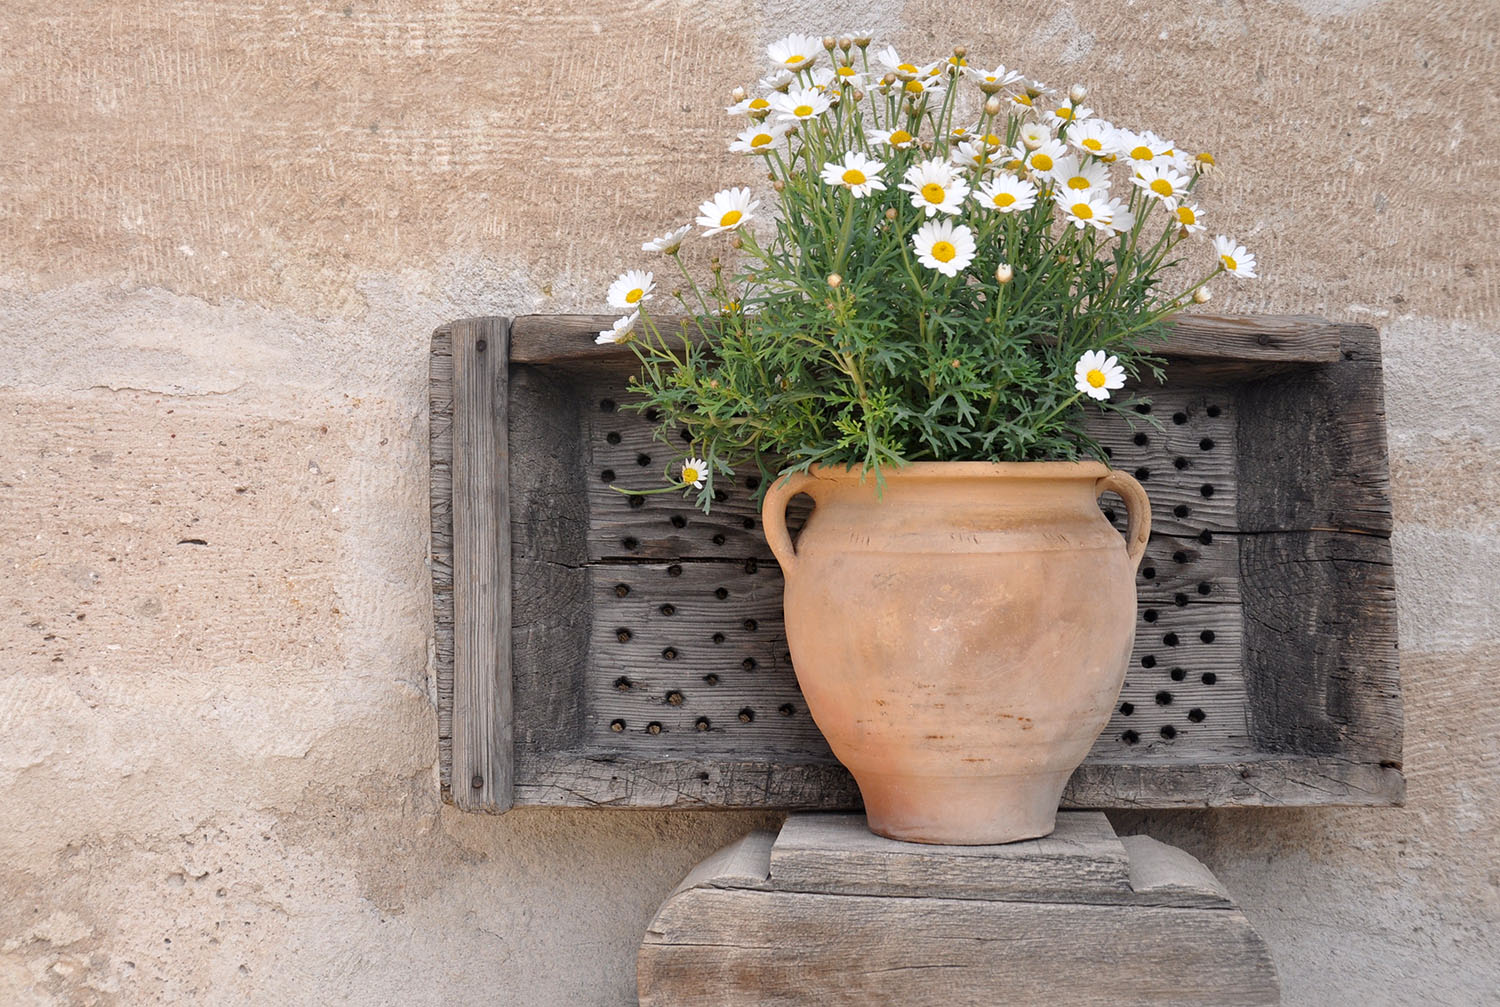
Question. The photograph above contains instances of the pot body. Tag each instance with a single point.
(960, 639)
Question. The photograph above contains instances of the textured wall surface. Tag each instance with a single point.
(228, 231)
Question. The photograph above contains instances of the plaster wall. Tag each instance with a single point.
(228, 231)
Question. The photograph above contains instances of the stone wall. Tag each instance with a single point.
(228, 231)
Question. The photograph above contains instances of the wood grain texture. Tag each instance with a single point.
(483, 721)
(1251, 339)
(829, 914)
(440, 557)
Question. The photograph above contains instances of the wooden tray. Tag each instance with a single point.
(595, 649)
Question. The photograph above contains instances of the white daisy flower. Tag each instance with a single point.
(1143, 148)
(1236, 261)
(795, 51)
(1095, 137)
(1034, 134)
(935, 187)
(848, 76)
(1161, 182)
(693, 471)
(1007, 193)
(729, 208)
(800, 105)
(668, 243)
(1044, 159)
(1075, 177)
(621, 330)
(967, 154)
(1030, 93)
(924, 87)
(1087, 209)
(630, 289)
(776, 80)
(944, 247)
(1121, 219)
(889, 59)
(1189, 217)
(759, 139)
(751, 106)
(1097, 375)
(1065, 115)
(858, 173)
(991, 81)
(898, 138)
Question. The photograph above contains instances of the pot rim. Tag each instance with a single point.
(1090, 470)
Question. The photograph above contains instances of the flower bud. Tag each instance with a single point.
(829, 42)
(779, 185)
(859, 96)
(714, 265)
(845, 43)
(862, 41)
(954, 364)
(1201, 295)
(959, 52)
(834, 279)
(890, 213)
(737, 95)
(888, 79)
(1004, 274)
(993, 105)
(737, 242)
(1077, 93)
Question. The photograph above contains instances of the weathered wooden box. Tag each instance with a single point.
(598, 649)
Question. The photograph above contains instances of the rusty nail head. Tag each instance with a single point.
(477, 782)
(481, 345)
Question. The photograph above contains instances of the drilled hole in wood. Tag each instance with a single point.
(674, 570)
(1209, 678)
(1150, 615)
(1179, 463)
(685, 436)
(1206, 444)
(607, 405)
(751, 566)
(1141, 440)
(669, 654)
(617, 725)
(1144, 408)
(621, 590)
(607, 476)
(1177, 674)
(668, 609)
(636, 502)
(1149, 661)
(786, 709)
(749, 523)
(1168, 731)
(1207, 636)
(1213, 410)
(1127, 708)
(1205, 589)
(675, 698)
(718, 638)
(1148, 573)
(719, 540)
(1108, 453)
(1164, 698)
(1179, 557)
(1196, 715)
(721, 593)
(643, 459)
(622, 634)
(702, 723)
(1143, 474)
(1170, 639)
(1179, 599)
(751, 625)
(747, 716)
(1179, 418)
(711, 678)
(720, 496)
(654, 727)
(752, 483)
(748, 664)
(613, 437)
(678, 521)
(630, 543)
(1205, 536)
(1130, 737)
(653, 414)
(623, 684)
(1181, 510)
(1206, 490)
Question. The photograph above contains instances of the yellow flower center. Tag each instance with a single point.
(933, 193)
(1078, 182)
(943, 251)
(992, 139)
(692, 475)
(1092, 144)
(1206, 158)
(1083, 211)
(1004, 199)
(760, 103)
(906, 68)
(854, 176)
(1065, 114)
(730, 219)
(760, 139)
(1185, 215)
(846, 71)
(1013, 164)
(794, 60)
(1142, 153)
(1229, 263)
(1041, 162)
(634, 295)
(1023, 99)
(914, 87)
(802, 111)
(1095, 378)
(1161, 187)
(899, 137)
(730, 308)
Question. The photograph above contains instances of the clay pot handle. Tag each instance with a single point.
(773, 516)
(1136, 505)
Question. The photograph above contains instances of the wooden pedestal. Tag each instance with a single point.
(828, 913)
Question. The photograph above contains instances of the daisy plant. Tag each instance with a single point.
(950, 263)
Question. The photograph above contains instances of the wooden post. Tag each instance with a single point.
(483, 736)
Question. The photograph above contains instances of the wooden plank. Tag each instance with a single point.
(728, 947)
(1082, 861)
(440, 556)
(1256, 339)
(483, 768)
(1163, 875)
(1254, 781)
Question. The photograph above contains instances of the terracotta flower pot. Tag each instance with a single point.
(962, 639)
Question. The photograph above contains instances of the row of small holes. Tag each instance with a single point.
(745, 716)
